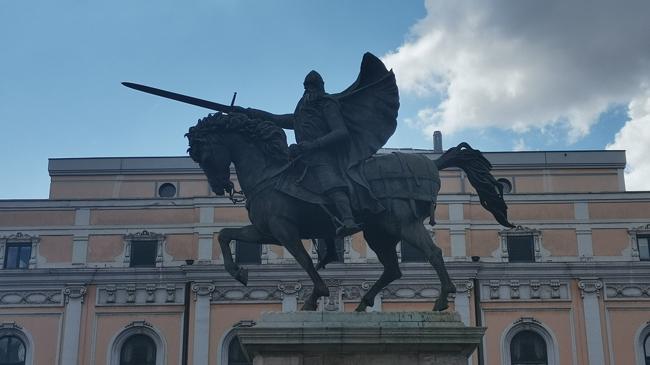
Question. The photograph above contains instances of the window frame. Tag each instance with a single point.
(534, 325)
(642, 334)
(137, 328)
(518, 232)
(144, 235)
(13, 329)
(636, 233)
(19, 239)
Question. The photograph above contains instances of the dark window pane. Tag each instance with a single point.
(528, 348)
(339, 243)
(138, 350)
(248, 253)
(167, 190)
(412, 254)
(520, 249)
(143, 253)
(17, 255)
(236, 354)
(644, 247)
(12, 351)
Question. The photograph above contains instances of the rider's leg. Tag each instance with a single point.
(342, 203)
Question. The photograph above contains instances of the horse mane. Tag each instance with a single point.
(266, 135)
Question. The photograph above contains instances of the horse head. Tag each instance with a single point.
(256, 148)
(207, 148)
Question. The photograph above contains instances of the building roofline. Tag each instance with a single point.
(183, 164)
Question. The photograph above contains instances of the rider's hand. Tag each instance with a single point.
(296, 150)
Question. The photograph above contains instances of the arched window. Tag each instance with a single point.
(138, 350)
(12, 351)
(235, 354)
(528, 348)
(139, 343)
(529, 342)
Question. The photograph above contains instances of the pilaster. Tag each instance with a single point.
(73, 298)
(202, 295)
(590, 293)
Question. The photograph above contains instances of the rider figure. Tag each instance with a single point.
(321, 133)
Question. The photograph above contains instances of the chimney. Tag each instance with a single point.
(437, 142)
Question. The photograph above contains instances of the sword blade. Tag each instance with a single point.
(178, 97)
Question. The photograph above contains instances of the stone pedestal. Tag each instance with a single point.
(329, 338)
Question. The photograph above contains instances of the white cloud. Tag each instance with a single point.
(634, 137)
(523, 65)
(520, 145)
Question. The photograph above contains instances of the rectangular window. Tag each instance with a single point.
(411, 253)
(248, 253)
(17, 255)
(143, 253)
(321, 248)
(521, 248)
(644, 247)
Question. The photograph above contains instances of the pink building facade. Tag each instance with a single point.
(121, 265)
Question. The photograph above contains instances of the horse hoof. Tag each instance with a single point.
(308, 307)
(440, 306)
(242, 276)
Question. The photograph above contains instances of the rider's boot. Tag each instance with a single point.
(342, 203)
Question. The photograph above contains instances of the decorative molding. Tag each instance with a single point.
(533, 289)
(144, 235)
(138, 324)
(289, 288)
(590, 287)
(202, 289)
(631, 291)
(74, 292)
(38, 297)
(20, 237)
(538, 249)
(10, 326)
(139, 294)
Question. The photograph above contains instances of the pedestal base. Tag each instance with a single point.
(329, 338)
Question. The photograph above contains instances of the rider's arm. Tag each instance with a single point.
(338, 130)
(281, 120)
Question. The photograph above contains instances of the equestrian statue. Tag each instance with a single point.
(331, 183)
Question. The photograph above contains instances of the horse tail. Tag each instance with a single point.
(477, 168)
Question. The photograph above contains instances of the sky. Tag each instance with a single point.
(502, 75)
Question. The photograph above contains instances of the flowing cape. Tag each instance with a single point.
(369, 107)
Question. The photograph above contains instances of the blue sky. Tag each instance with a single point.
(62, 63)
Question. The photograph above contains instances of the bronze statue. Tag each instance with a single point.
(292, 191)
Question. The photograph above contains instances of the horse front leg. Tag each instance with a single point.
(247, 233)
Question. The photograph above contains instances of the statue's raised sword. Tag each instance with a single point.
(182, 98)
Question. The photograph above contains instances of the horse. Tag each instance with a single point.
(258, 150)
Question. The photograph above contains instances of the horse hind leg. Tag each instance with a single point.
(416, 235)
(385, 247)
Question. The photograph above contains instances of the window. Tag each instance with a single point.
(17, 255)
(644, 247)
(236, 354)
(411, 253)
(522, 244)
(167, 190)
(12, 351)
(528, 348)
(321, 248)
(506, 185)
(248, 252)
(18, 251)
(138, 350)
(521, 248)
(143, 253)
